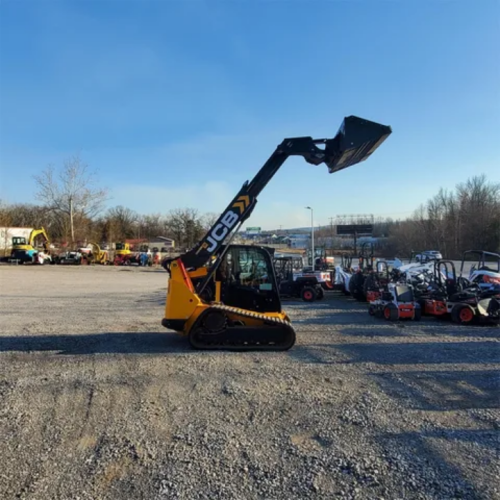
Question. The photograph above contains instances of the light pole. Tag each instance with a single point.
(312, 237)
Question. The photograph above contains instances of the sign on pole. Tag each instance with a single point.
(358, 229)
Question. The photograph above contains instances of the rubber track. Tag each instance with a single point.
(237, 343)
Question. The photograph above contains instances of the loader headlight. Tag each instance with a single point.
(355, 141)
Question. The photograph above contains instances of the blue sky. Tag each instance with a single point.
(177, 103)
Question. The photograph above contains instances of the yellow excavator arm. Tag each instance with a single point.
(39, 232)
(100, 256)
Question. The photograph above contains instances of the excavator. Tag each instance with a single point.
(25, 251)
(96, 255)
(122, 249)
(225, 296)
(123, 254)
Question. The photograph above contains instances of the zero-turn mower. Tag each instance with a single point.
(365, 267)
(397, 302)
(461, 301)
(377, 281)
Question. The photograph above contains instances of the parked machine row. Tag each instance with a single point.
(426, 286)
(35, 248)
(434, 289)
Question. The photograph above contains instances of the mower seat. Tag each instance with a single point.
(462, 296)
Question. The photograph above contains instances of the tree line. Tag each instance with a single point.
(466, 218)
(71, 207)
(184, 226)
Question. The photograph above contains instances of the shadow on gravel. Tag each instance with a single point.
(328, 315)
(336, 309)
(436, 327)
(426, 469)
(331, 305)
(422, 352)
(443, 390)
(408, 353)
(158, 298)
(99, 343)
(346, 318)
(487, 438)
(373, 331)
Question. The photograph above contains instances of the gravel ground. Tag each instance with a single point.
(100, 402)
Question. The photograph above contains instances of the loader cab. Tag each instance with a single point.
(485, 261)
(382, 272)
(346, 261)
(122, 249)
(485, 272)
(445, 276)
(247, 279)
(284, 267)
(366, 257)
(19, 241)
(323, 259)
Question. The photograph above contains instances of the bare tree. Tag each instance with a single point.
(208, 220)
(121, 223)
(185, 226)
(72, 193)
(151, 225)
(453, 221)
(479, 205)
(5, 214)
(26, 215)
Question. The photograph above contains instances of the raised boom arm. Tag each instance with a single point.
(355, 141)
(38, 232)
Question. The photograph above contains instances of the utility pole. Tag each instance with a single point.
(312, 237)
(331, 233)
(71, 220)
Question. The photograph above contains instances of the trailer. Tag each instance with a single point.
(7, 233)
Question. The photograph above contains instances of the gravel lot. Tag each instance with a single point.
(100, 402)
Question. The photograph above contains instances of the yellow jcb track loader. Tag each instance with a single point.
(224, 296)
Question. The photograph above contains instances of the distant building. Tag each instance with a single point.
(299, 241)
